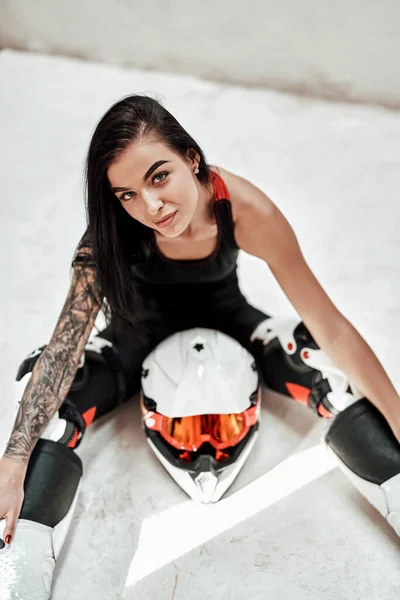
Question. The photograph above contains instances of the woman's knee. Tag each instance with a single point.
(292, 363)
(98, 387)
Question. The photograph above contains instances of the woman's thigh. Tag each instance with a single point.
(112, 370)
(238, 322)
(133, 350)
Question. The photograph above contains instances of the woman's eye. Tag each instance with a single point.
(128, 195)
(124, 196)
(161, 174)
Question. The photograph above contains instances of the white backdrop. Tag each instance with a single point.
(336, 49)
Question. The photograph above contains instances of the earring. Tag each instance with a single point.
(197, 171)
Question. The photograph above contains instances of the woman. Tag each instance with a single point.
(164, 231)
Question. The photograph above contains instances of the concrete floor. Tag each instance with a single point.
(292, 526)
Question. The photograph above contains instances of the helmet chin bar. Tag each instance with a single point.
(204, 480)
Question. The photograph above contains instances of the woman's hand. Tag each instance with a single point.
(12, 476)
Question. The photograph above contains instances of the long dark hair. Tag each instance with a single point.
(117, 239)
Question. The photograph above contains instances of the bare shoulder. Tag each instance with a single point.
(244, 194)
(252, 208)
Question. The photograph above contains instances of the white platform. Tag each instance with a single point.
(292, 527)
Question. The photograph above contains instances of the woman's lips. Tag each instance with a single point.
(166, 222)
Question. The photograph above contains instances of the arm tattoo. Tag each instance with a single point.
(56, 367)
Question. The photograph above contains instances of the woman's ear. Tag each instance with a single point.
(193, 157)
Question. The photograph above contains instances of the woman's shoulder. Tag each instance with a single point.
(245, 197)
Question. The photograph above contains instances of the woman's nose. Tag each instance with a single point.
(153, 203)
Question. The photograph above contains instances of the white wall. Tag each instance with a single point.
(341, 49)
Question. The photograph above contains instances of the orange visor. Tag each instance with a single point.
(189, 433)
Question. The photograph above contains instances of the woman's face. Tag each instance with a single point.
(152, 182)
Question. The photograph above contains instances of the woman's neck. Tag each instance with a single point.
(203, 215)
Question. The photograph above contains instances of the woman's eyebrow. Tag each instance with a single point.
(153, 168)
(145, 176)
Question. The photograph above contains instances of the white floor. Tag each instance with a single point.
(292, 527)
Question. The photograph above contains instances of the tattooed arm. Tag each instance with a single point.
(56, 367)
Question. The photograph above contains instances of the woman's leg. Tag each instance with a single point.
(109, 373)
(361, 440)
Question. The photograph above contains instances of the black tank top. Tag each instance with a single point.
(169, 284)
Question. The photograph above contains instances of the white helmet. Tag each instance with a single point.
(200, 402)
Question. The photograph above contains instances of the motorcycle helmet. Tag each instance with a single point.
(200, 402)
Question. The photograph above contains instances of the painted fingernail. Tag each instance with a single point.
(8, 539)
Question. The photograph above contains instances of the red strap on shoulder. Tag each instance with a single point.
(220, 189)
